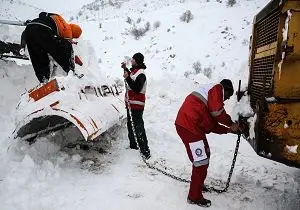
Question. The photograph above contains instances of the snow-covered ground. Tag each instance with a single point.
(44, 176)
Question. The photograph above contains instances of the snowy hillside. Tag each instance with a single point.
(179, 55)
(17, 10)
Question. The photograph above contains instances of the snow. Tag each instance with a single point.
(286, 125)
(292, 149)
(285, 31)
(271, 99)
(45, 176)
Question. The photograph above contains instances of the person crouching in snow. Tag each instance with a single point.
(201, 113)
(50, 34)
(135, 103)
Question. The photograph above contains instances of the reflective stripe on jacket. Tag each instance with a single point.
(203, 110)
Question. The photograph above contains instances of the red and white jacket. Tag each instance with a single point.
(136, 99)
(203, 110)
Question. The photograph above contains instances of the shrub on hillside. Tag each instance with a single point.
(207, 72)
(129, 20)
(139, 32)
(187, 74)
(187, 16)
(156, 24)
(197, 67)
(230, 3)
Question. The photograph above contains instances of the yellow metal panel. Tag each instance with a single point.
(287, 77)
(265, 53)
(288, 85)
(291, 4)
(294, 34)
(266, 47)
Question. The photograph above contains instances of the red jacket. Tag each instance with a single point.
(203, 110)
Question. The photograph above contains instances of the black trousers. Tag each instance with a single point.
(138, 122)
(41, 41)
(7, 47)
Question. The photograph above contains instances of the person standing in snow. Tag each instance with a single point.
(50, 34)
(201, 113)
(135, 103)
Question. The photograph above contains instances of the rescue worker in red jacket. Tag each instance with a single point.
(135, 102)
(50, 34)
(201, 113)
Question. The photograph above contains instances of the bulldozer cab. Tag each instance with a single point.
(274, 81)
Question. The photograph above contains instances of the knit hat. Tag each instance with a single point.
(227, 85)
(139, 58)
(76, 30)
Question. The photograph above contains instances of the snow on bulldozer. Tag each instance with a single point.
(89, 106)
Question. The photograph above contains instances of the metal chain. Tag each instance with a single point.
(210, 189)
(166, 173)
(231, 168)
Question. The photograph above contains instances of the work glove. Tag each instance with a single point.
(125, 75)
(234, 128)
(78, 60)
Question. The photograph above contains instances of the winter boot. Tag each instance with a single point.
(146, 154)
(133, 146)
(203, 203)
(205, 189)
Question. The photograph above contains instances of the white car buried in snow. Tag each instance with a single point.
(90, 107)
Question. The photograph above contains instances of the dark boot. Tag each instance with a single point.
(140, 132)
(205, 189)
(203, 203)
(133, 146)
(146, 154)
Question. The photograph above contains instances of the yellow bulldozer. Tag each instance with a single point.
(274, 81)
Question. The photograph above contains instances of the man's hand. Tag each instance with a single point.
(234, 127)
(78, 60)
(27, 22)
(72, 41)
(126, 74)
(123, 65)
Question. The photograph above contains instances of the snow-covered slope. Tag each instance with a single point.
(44, 176)
(17, 10)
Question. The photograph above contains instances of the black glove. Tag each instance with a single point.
(26, 22)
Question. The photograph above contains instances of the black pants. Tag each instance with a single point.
(138, 122)
(41, 41)
(7, 47)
